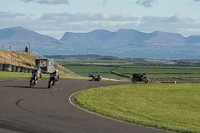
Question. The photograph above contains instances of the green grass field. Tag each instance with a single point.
(85, 70)
(154, 73)
(164, 73)
(158, 69)
(22, 76)
(165, 106)
(17, 75)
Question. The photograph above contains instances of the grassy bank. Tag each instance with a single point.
(17, 58)
(166, 106)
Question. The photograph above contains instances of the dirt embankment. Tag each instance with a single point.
(17, 58)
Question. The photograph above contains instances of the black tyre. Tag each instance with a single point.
(49, 84)
(31, 83)
(53, 83)
(133, 80)
(145, 80)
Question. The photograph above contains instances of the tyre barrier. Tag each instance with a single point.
(1, 67)
(7, 67)
(18, 69)
(24, 70)
(29, 70)
(13, 68)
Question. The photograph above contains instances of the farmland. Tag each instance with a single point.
(164, 73)
(187, 71)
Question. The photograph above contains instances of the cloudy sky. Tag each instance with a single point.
(55, 17)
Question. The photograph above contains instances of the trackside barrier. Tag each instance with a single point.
(29, 70)
(1, 67)
(22, 69)
(7, 67)
(13, 68)
(18, 69)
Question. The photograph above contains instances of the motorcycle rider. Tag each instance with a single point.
(37, 74)
(55, 74)
(99, 77)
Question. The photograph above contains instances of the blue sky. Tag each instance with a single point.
(55, 17)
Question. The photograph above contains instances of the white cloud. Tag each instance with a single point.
(56, 24)
(175, 24)
(26, 1)
(145, 3)
(49, 2)
(79, 17)
(10, 14)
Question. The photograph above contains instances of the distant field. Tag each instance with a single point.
(84, 71)
(164, 73)
(154, 73)
(165, 106)
(187, 72)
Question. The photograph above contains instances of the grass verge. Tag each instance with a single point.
(17, 75)
(165, 106)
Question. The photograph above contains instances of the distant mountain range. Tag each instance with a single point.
(125, 43)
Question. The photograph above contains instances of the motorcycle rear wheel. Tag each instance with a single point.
(133, 80)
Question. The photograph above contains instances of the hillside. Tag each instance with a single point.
(17, 58)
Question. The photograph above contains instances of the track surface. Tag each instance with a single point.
(42, 110)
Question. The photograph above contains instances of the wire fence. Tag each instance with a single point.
(12, 48)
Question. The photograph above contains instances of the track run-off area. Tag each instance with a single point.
(43, 110)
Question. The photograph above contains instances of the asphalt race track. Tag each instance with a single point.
(43, 110)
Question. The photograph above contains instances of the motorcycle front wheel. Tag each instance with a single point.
(145, 80)
(51, 83)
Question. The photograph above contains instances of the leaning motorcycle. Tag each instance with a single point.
(32, 81)
(95, 78)
(52, 81)
(139, 77)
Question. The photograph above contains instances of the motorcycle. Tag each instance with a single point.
(94, 78)
(139, 77)
(32, 81)
(52, 81)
